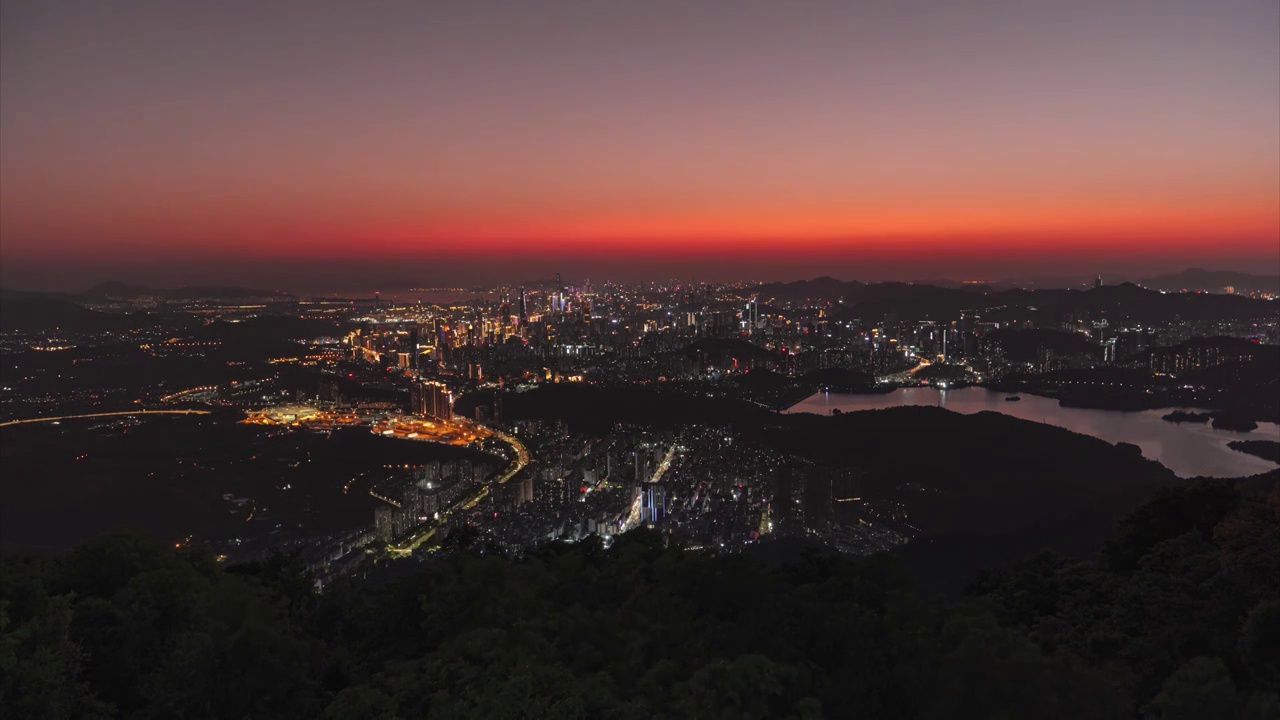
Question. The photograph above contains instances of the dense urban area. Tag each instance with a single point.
(339, 439)
(362, 429)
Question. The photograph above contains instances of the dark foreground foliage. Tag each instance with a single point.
(1178, 617)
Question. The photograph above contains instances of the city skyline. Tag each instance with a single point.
(743, 140)
(639, 358)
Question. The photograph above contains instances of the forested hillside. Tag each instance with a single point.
(1178, 617)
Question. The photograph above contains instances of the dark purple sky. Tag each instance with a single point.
(282, 142)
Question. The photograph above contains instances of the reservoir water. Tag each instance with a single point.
(1188, 449)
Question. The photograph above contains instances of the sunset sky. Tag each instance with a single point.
(286, 142)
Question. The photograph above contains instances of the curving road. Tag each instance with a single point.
(408, 545)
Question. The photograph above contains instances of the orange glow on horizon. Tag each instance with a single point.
(1242, 227)
(181, 134)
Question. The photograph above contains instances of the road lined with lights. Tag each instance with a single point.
(60, 418)
(470, 431)
(636, 515)
(407, 546)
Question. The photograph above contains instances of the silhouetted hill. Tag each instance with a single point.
(115, 290)
(823, 288)
(1244, 389)
(1026, 345)
(720, 351)
(1265, 449)
(1175, 618)
(908, 302)
(1130, 301)
(984, 471)
(31, 312)
(1180, 609)
(1214, 281)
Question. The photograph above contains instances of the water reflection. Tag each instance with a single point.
(1187, 449)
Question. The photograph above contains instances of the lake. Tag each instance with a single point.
(1188, 449)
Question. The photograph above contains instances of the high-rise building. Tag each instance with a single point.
(413, 502)
(653, 502)
(382, 530)
(417, 405)
(642, 467)
(968, 340)
(1097, 283)
(524, 491)
(428, 398)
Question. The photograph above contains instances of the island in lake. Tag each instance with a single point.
(1221, 420)
(1181, 416)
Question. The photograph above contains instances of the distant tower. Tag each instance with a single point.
(1097, 283)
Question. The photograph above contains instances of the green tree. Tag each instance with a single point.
(1260, 645)
(1200, 689)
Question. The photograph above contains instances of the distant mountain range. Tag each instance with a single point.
(118, 291)
(853, 291)
(1190, 280)
(29, 312)
(35, 311)
(907, 301)
(1215, 281)
(1158, 299)
(1026, 345)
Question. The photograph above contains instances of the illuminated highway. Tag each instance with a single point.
(666, 463)
(446, 433)
(906, 376)
(408, 545)
(522, 455)
(126, 413)
(522, 459)
(457, 432)
(636, 516)
(923, 364)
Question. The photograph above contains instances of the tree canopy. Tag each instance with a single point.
(1176, 616)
